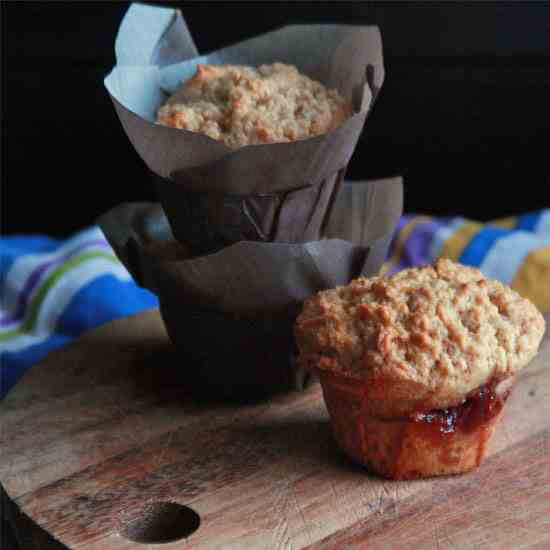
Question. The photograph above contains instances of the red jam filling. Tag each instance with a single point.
(478, 409)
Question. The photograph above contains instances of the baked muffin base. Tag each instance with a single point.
(427, 444)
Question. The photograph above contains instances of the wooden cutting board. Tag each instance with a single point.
(99, 434)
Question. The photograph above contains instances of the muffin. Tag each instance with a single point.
(239, 105)
(416, 368)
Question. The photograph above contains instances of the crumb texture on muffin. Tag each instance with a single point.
(422, 339)
(239, 105)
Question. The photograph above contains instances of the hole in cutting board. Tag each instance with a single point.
(159, 522)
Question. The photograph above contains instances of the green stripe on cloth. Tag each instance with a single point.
(50, 281)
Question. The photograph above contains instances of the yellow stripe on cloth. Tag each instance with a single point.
(505, 223)
(400, 243)
(532, 279)
(457, 242)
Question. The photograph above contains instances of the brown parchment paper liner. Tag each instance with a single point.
(230, 313)
(215, 196)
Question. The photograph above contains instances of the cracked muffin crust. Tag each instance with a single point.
(239, 105)
(425, 338)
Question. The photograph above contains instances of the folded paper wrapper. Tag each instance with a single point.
(231, 313)
(242, 236)
(215, 196)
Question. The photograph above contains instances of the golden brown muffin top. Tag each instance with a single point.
(421, 339)
(239, 105)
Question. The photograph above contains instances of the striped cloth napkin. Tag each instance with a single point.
(52, 290)
(514, 250)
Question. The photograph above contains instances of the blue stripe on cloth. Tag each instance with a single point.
(505, 258)
(543, 225)
(442, 234)
(12, 248)
(105, 299)
(479, 246)
(528, 222)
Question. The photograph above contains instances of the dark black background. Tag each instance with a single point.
(464, 113)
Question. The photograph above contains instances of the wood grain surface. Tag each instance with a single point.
(106, 425)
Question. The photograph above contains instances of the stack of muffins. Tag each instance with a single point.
(416, 368)
(249, 162)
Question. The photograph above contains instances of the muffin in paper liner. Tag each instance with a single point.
(433, 443)
(215, 196)
(230, 314)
